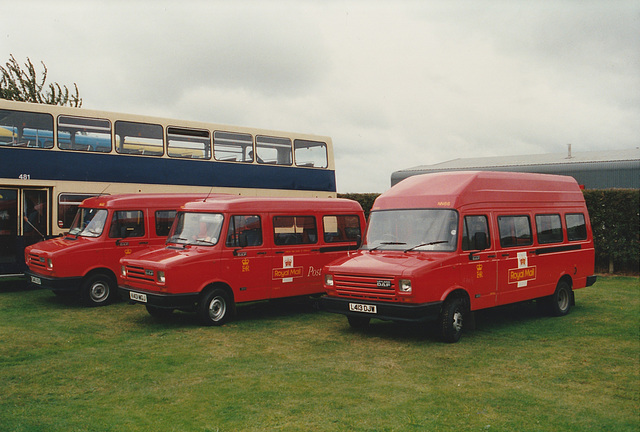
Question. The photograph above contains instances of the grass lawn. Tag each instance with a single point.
(284, 366)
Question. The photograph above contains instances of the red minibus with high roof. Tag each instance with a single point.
(440, 246)
(230, 250)
(86, 260)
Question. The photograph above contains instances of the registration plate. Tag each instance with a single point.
(138, 297)
(36, 280)
(358, 307)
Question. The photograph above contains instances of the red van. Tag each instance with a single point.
(439, 246)
(86, 260)
(230, 250)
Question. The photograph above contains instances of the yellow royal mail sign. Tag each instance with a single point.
(524, 272)
(288, 270)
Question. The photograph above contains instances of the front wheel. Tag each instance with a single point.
(216, 308)
(98, 290)
(451, 319)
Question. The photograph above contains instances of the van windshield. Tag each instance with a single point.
(413, 230)
(201, 229)
(89, 222)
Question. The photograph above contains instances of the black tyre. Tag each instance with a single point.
(450, 323)
(160, 314)
(98, 290)
(358, 322)
(561, 300)
(215, 308)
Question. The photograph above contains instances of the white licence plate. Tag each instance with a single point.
(138, 297)
(357, 307)
(36, 280)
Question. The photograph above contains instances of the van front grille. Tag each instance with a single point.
(139, 273)
(365, 287)
(37, 261)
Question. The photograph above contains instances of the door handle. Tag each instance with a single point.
(505, 255)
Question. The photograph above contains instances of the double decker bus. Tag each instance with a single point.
(53, 157)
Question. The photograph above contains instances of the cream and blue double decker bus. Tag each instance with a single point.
(52, 158)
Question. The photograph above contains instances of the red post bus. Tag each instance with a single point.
(439, 246)
(86, 260)
(230, 250)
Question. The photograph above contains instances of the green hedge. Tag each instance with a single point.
(615, 219)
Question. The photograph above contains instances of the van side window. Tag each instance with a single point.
(475, 234)
(576, 227)
(293, 230)
(164, 220)
(244, 231)
(342, 228)
(514, 231)
(127, 223)
(549, 229)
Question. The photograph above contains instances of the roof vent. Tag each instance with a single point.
(569, 151)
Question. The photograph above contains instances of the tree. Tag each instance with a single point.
(23, 85)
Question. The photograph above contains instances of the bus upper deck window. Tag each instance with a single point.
(310, 153)
(188, 143)
(87, 134)
(139, 138)
(232, 147)
(273, 150)
(26, 129)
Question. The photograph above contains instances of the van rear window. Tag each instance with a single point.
(341, 228)
(576, 227)
(514, 231)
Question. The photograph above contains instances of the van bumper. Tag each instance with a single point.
(415, 313)
(591, 280)
(169, 301)
(56, 284)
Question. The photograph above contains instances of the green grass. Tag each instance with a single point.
(283, 366)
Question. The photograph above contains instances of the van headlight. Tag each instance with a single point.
(123, 271)
(160, 275)
(404, 285)
(328, 280)
(49, 263)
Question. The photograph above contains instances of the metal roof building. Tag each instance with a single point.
(592, 169)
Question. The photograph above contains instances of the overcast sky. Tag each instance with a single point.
(394, 83)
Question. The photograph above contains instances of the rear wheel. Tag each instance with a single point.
(451, 319)
(215, 308)
(98, 290)
(561, 300)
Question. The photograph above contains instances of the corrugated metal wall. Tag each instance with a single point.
(593, 175)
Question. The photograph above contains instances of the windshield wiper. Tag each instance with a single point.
(175, 240)
(387, 244)
(426, 244)
(201, 240)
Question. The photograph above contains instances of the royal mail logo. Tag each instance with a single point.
(522, 274)
(284, 273)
